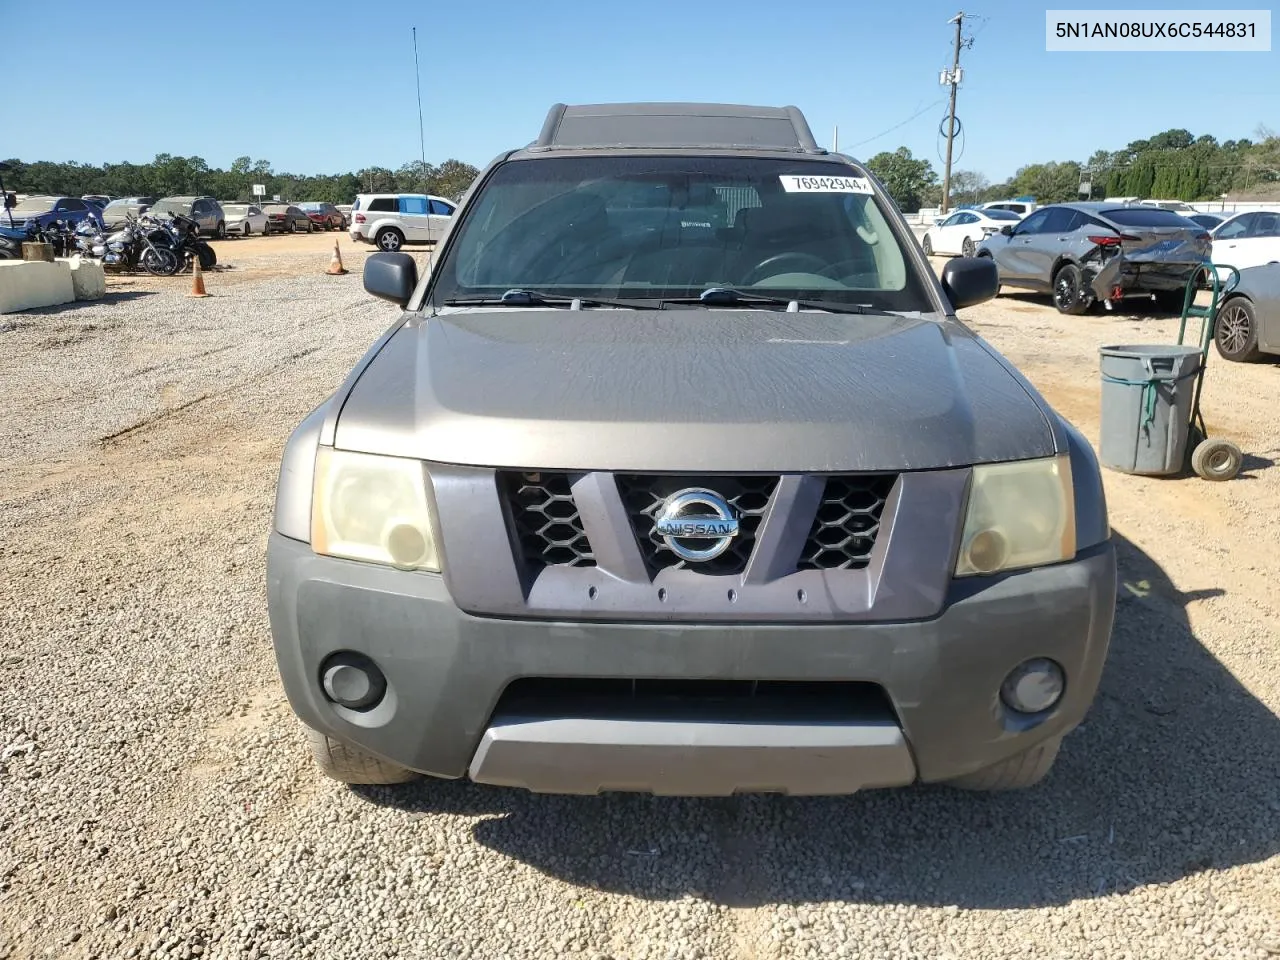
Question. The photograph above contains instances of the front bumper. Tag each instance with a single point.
(447, 671)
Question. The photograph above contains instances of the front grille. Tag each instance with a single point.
(848, 519)
(643, 496)
(547, 525)
(709, 699)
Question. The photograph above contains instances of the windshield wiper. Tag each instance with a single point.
(728, 296)
(532, 298)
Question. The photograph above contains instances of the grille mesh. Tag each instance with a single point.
(643, 496)
(848, 519)
(547, 523)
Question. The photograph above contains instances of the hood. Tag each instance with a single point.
(690, 390)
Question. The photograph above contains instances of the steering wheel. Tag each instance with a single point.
(832, 269)
(771, 265)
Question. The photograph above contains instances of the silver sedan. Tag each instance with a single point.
(1248, 321)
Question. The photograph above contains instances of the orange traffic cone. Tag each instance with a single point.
(197, 279)
(335, 265)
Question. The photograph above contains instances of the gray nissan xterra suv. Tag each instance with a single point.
(678, 474)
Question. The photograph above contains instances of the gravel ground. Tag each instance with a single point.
(156, 799)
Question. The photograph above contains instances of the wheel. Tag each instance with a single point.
(220, 232)
(928, 246)
(160, 262)
(293, 226)
(967, 248)
(311, 226)
(247, 229)
(349, 764)
(389, 239)
(1216, 459)
(1235, 333)
(1068, 290)
(1020, 771)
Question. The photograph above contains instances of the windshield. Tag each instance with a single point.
(170, 206)
(671, 227)
(235, 209)
(35, 205)
(311, 207)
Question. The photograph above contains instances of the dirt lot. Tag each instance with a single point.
(155, 799)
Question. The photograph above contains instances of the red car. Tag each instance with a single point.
(324, 215)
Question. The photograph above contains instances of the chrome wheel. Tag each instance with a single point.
(1234, 328)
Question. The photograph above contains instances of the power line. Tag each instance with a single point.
(897, 125)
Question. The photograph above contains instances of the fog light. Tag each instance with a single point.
(1033, 686)
(353, 681)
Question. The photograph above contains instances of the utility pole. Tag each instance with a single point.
(953, 78)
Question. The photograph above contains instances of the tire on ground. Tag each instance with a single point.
(1235, 332)
(1069, 276)
(389, 239)
(348, 764)
(1018, 772)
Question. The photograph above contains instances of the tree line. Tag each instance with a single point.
(168, 176)
(1173, 165)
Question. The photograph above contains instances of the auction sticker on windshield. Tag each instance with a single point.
(797, 184)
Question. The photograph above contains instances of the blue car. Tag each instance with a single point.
(43, 211)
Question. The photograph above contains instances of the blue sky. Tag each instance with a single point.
(325, 87)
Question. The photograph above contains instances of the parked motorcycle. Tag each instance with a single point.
(137, 244)
(58, 234)
(186, 236)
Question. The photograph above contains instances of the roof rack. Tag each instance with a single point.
(676, 125)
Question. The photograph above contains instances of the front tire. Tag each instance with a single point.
(348, 764)
(928, 246)
(248, 230)
(1020, 771)
(1235, 332)
(220, 231)
(293, 226)
(1068, 290)
(967, 248)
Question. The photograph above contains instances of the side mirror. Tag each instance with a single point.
(1007, 230)
(391, 276)
(970, 280)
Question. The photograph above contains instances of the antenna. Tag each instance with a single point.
(422, 141)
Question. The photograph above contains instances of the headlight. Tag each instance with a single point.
(372, 508)
(1020, 514)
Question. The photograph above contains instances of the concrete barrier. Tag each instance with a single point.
(87, 277)
(25, 285)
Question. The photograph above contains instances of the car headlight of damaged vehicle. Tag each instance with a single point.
(372, 508)
(1020, 514)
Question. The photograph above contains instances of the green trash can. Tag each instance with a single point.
(1147, 391)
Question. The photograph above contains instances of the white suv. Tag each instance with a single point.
(393, 219)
